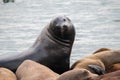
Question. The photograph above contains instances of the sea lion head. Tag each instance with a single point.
(62, 29)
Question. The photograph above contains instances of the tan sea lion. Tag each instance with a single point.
(77, 74)
(31, 70)
(111, 68)
(102, 59)
(6, 74)
(84, 74)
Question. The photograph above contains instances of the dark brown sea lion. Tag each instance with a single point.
(6, 74)
(31, 70)
(52, 47)
(102, 59)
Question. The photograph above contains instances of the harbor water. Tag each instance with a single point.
(97, 24)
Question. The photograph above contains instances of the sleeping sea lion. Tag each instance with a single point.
(102, 59)
(31, 70)
(111, 68)
(6, 74)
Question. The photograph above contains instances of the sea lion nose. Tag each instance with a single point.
(65, 27)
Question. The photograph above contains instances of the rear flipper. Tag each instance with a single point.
(98, 70)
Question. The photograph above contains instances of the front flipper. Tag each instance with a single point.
(98, 70)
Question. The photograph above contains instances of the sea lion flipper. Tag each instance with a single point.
(98, 70)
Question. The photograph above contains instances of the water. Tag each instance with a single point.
(97, 24)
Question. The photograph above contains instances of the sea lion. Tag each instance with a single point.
(97, 69)
(111, 76)
(84, 74)
(31, 70)
(52, 47)
(102, 59)
(6, 74)
(77, 74)
(111, 68)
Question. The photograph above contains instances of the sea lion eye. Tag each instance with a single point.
(64, 19)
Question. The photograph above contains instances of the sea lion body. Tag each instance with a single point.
(31, 70)
(77, 74)
(6, 74)
(52, 48)
(111, 76)
(111, 68)
(103, 59)
(84, 74)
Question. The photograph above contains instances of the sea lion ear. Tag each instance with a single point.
(98, 70)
